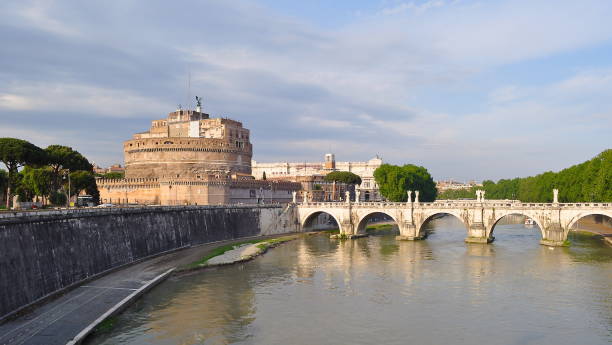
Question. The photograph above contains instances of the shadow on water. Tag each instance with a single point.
(587, 247)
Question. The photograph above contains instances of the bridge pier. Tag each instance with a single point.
(477, 233)
(408, 232)
(554, 236)
(480, 217)
(348, 230)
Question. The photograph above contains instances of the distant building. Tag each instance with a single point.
(115, 168)
(98, 169)
(445, 185)
(317, 188)
(189, 158)
(294, 171)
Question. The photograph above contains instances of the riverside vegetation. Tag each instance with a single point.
(262, 246)
(590, 181)
(33, 172)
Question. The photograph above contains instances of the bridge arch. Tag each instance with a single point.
(363, 220)
(491, 229)
(581, 215)
(427, 216)
(307, 221)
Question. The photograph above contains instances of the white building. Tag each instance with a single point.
(365, 170)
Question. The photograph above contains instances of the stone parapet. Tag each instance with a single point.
(554, 220)
(256, 184)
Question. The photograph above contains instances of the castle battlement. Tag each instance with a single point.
(189, 158)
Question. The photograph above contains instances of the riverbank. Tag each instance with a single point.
(589, 225)
(606, 235)
(71, 317)
(235, 253)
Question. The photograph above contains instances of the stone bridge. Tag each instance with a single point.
(479, 216)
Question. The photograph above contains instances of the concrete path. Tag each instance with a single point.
(59, 321)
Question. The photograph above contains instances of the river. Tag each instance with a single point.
(377, 290)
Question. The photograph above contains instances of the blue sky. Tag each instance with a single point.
(468, 89)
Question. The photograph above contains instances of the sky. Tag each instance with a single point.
(468, 89)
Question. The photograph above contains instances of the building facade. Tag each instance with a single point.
(189, 158)
(369, 190)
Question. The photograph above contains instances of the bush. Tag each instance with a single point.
(58, 199)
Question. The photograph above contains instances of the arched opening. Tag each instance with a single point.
(516, 227)
(377, 223)
(599, 224)
(447, 226)
(318, 221)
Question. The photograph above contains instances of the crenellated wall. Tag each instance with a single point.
(44, 252)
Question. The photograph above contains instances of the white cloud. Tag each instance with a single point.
(78, 98)
(37, 14)
(412, 6)
(504, 94)
(355, 89)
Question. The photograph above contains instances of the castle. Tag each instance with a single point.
(189, 158)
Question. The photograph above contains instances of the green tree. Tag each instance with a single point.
(64, 157)
(453, 194)
(58, 198)
(263, 177)
(84, 181)
(113, 175)
(37, 181)
(394, 181)
(584, 182)
(344, 177)
(15, 153)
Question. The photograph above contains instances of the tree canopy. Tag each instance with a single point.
(35, 182)
(588, 181)
(112, 175)
(394, 181)
(43, 171)
(15, 153)
(343, 176)
(64, 157)
(82, 180)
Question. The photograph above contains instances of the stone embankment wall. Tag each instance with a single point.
(44, 252)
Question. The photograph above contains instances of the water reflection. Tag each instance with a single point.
(378, 290)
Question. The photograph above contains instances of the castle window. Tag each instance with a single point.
(167, 142)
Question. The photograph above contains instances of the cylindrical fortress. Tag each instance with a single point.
(180, 157)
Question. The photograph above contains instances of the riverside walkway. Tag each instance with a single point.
(69, 318)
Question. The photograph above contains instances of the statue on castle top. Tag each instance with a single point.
(198, 101)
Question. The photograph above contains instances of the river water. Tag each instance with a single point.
(376, 290)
